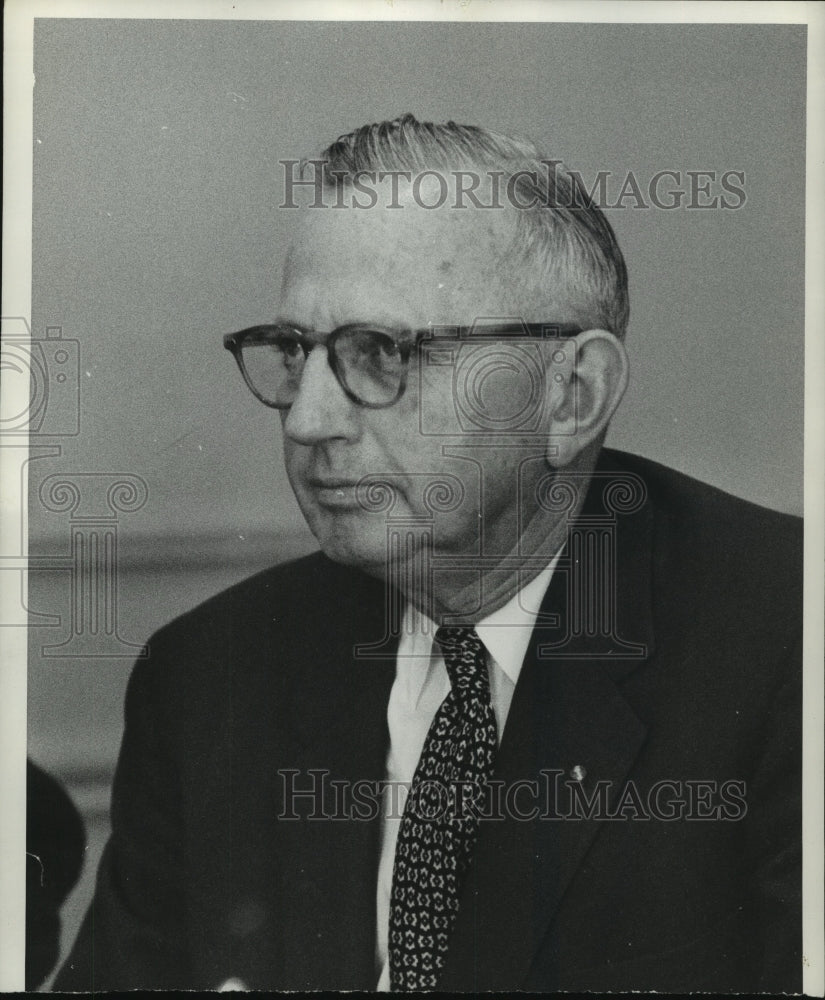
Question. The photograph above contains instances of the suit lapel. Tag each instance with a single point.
(568, 715)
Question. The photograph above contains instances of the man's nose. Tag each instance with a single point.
(321, 409)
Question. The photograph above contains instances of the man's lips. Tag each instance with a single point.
(333, 492)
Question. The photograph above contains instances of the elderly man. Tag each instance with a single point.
(530, 719)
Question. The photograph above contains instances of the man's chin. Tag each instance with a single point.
(359, 539)
(358, 553)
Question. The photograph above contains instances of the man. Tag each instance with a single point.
(55, 847)
(581, 668)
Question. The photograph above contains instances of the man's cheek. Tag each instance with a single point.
(294, 459)
(433, 401)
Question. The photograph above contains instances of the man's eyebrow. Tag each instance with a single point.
(391, 325)
(284, 321)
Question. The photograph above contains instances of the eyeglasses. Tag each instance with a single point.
(370, 362)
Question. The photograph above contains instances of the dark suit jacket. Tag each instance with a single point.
(695, 677)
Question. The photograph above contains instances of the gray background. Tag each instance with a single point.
(156, 229)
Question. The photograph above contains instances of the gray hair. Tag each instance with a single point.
(563, 232)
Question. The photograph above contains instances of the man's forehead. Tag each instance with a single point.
(425, 266)
(444, 239)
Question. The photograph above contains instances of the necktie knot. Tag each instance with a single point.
(464, 658)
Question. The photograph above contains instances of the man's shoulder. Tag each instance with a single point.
(701, 510)
(744, 559)
(263, 630)
(312, 588)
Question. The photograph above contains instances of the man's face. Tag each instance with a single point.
(405, 269)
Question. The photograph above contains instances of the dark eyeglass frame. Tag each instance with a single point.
(405, 340)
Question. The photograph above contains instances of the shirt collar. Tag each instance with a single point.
(505, 633)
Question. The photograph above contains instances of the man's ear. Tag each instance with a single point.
(586, 395)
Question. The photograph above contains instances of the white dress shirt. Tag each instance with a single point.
(421, 684)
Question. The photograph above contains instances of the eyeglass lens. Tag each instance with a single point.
(273, 363)
(368, 362)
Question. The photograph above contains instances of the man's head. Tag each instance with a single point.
(403, 265)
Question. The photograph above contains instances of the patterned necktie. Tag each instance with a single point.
(439, 827)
